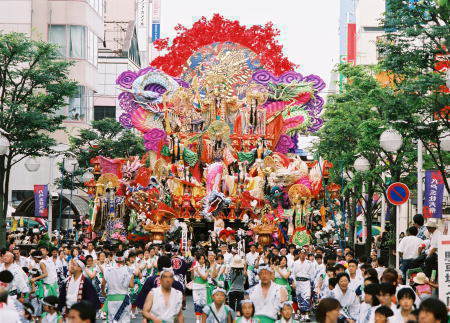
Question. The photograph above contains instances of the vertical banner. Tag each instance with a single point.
(156, 31)
(40, 201)
(444, 269)
(434, 194)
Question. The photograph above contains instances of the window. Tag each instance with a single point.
(133, 52)
(102, 112)
(78, 105)
(77, 42)
(74, 42)
(57, 36)
(18, 196)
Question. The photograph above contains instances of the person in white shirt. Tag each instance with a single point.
(409, 249)
(19, 259)
(355, 279)
(90, 251)
(250, 259)
(164, 303)
(19, 284)
(303, 271)
(117, 280)
(435, 235)
(7, 314)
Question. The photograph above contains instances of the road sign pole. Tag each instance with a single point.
(397, 236)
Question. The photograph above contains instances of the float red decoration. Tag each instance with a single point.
(260, 39)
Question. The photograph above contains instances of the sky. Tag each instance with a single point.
(309, 28)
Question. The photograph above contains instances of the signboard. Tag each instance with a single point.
(444, 269)
(434, 194)
(156, 30)
(40, 201)
(397, 193)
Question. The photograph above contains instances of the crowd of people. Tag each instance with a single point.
(94, 281)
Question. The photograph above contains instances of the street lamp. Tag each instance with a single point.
(445, 141)
(70, 165)
(4, 145)
(361, 164)
(32, 164)
(87, 176)
(391, 140)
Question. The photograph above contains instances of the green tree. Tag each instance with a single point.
(354, 121)
(34, 83)
(413, 52)
(106, 138)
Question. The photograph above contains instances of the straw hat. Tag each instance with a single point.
(237, 262)
(420, 278)
(431, 223)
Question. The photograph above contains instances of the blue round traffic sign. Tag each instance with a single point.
(397, 193)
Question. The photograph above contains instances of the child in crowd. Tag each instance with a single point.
(287, 313)
(217, 311)
(248, 311)
(50, 314)
(382, 314)
(331, 285)
(370, 302)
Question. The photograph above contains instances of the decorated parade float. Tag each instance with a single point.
(221, 113)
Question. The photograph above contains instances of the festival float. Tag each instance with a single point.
(221, 114)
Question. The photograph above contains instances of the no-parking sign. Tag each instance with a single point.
(397, 193)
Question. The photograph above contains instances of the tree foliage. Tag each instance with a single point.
(106, 138)
(34, 85)
(354, 120)
(414, 54)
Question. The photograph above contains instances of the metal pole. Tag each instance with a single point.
(60, 205)
(383, 207)
(419, 176)
(397, 235)
(50, 200)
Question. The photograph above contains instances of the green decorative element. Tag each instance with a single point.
(301, 238)
(190, 157)
(292, 112)
(133, 221)
(165, 151)
(289, 91)
(247, 156)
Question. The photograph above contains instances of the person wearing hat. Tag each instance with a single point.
(50, 314)
(218, 311)
(117, 280)
(432, 226)
(236, 279)
(303, 271)
(77, 287)
(267, 296)
(164, 303)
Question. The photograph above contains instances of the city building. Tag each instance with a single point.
(77, 27)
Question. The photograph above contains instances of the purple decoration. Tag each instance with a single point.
(182, 83)
(315, 104)
(284, 144)
(125, 120)
(125, 96)
(295, 141)
(318, 83)
(145, 70)
(158, 88)
(263, 77)
(126, 79)
(289, 77)
(316, 124)
(153, 137)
